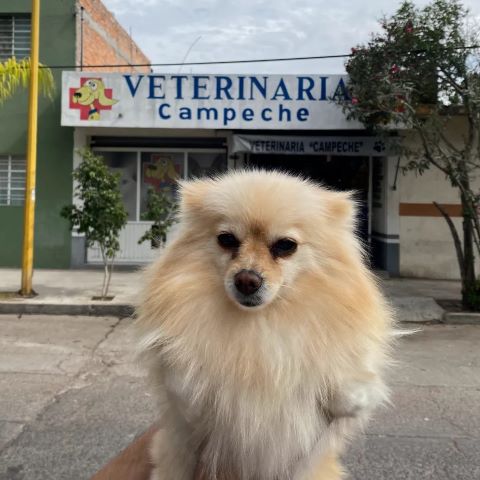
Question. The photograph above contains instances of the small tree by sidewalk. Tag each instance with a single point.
(100, 213)
(417, 74)
(161, 210)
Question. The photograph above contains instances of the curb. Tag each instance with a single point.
(94, 310)
(409, 310)
(417, 309)
(461, 318)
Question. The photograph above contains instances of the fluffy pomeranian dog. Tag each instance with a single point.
(266, 334)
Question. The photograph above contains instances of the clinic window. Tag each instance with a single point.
(15, 33)
(140, 171)
(12, 180)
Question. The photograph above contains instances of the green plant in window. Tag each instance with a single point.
(161, 210)
(99, 212)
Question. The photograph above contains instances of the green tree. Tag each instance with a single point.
(419, 72)
(161, 210)
(99, 212)
(15, 74)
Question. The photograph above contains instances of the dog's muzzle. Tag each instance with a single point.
(248, 284)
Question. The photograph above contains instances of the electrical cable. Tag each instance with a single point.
(231, 62)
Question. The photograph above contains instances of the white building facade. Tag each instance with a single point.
(157, 128)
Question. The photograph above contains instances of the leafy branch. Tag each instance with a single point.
(15, 74)
(161, 210)
(421, 76)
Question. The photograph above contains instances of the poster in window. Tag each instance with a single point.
(161, 171)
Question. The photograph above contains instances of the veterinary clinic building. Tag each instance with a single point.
(156, 128)
(72, 32)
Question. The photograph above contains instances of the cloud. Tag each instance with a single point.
(241, 29)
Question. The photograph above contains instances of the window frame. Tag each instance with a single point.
(16, 36)
(139, 151)
(11, 169)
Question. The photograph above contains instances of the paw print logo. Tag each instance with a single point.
(379, 146)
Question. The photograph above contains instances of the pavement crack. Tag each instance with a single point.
(445, 416)
(13, 439)
(62, 361)
(105, 336)
(457, 447)
(77, 381)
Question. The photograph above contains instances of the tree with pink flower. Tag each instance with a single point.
(413, 78)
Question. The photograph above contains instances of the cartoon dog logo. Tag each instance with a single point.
(161, 171)
(94, 95)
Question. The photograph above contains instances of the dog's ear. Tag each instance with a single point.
(102, 97)
(193, 194)
(341, 207)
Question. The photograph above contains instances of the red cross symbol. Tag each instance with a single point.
(96, 106)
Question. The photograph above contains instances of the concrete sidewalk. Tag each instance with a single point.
(70, 292)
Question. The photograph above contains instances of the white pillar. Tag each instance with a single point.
(385, 214)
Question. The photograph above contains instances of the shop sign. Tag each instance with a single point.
(232, 101)
(296, 145)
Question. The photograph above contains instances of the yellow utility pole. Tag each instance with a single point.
(29, 212)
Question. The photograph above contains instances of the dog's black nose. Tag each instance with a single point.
(248, 281)
(77, 95)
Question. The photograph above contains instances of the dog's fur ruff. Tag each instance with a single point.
(271, 392)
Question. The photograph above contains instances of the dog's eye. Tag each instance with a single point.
(228, 241)
(283, 247)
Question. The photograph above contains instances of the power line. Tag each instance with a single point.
(217, 62)
(232, 62)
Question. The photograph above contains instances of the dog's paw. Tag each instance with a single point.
(358, 398)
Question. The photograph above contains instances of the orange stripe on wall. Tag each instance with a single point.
(429, 210)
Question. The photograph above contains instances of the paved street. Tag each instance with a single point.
(71, 398)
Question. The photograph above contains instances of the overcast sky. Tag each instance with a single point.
(244, 29)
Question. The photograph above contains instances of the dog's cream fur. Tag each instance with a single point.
(270, 392)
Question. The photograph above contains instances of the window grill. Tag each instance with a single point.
(12, 179)
(15, 33)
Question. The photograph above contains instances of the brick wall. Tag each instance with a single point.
(105, 42)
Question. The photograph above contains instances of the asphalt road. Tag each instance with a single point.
(71, 398)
